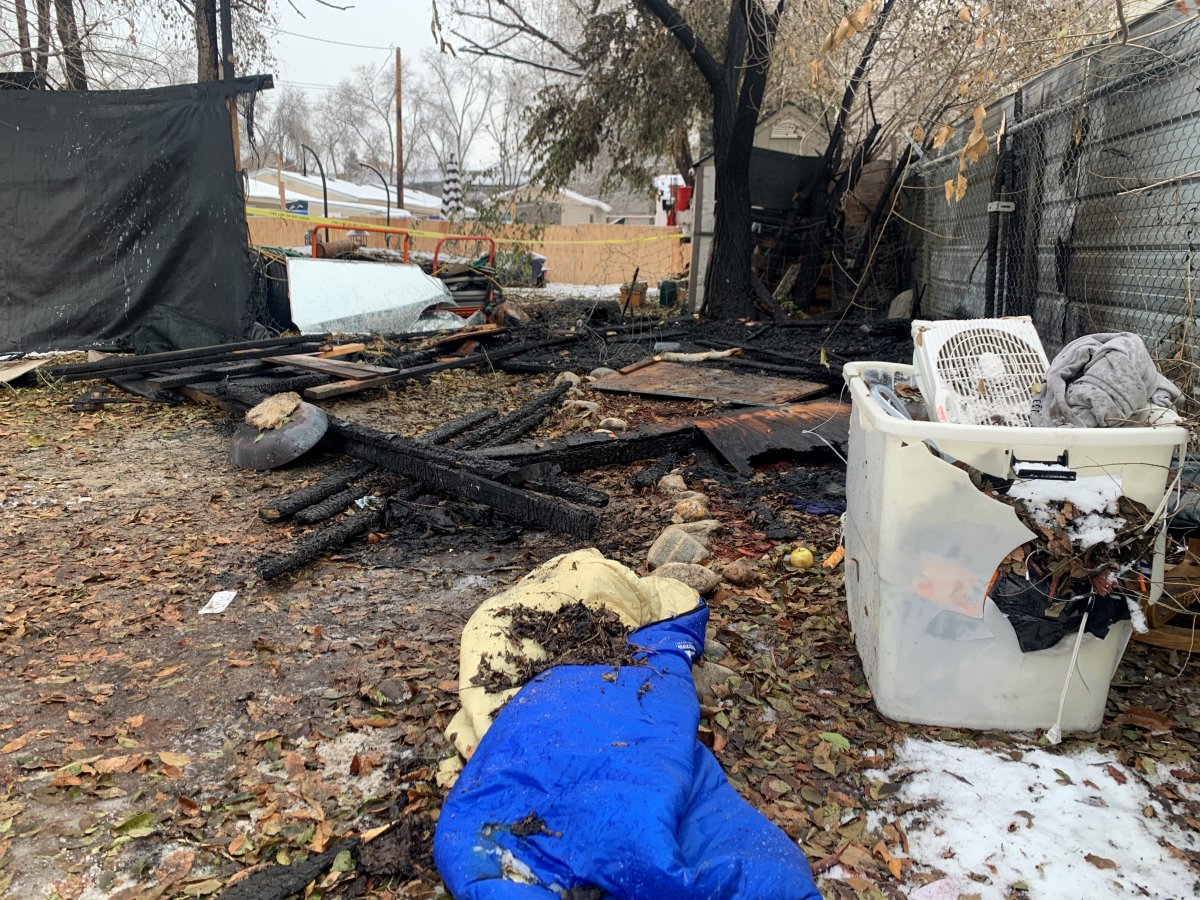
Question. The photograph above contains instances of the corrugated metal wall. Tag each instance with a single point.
(1102, 165)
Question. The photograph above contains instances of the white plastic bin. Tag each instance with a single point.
(922, 544)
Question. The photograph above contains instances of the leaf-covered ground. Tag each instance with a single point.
(147, 751)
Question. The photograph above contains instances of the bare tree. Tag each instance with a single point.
(22, 13)
(282, 125)
(506, 123)
(68, 39)
(457, 95)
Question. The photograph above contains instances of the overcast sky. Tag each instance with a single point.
(310, 49)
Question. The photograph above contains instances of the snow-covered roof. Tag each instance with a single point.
(586, 201)
(530, 194)
(256, 189)
(348, 192)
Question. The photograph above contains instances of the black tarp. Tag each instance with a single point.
(125, 221)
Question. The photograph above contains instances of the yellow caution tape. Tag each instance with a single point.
(351, 223)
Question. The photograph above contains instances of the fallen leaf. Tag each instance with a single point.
(17, 743)
(139, 825)
(835, 739)
(1063, 777)
(1100, 862)
(173, 759)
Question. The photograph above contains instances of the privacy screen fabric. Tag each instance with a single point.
(124, 219)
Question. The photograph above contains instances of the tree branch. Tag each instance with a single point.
(691, 44)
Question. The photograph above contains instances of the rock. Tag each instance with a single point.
(690, 510)
(675, 545)
(708, 675)
(582, 408)
(671, 484)
(702, 530)
(902, 305)
(567, 378)
(700, 579)
(739, 572)
(510, 313)
(602, 372)
(714, 650)
(612, 423)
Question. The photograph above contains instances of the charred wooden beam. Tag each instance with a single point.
(322, 541)
(196, 374)
(524, 418)
(338, 388)
(453, 429)
(329, 486)
(579, 452)
(444, 469)
(440, 470)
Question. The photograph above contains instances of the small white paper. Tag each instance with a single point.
(218, 602)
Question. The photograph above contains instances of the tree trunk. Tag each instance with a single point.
(206, 40)
(23, 36)
(727, 282)
(42, 63)
(68, 39)
(681, 151)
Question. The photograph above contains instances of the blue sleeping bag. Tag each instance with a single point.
(610, 794)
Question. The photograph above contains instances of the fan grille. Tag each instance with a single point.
(992, 373)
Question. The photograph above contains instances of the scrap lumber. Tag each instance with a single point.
(106, 368)
(338, 368)
(290, 504)
(519, 421)
(169, 358)
(340, 388)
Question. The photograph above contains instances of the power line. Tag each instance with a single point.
(309, 37)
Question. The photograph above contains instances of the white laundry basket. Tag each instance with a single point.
(922, 544)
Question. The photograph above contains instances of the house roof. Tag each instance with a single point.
(257, 188)
(534, 194)
(348, 193)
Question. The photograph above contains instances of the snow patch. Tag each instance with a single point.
(1035, 820)
(1096, 501)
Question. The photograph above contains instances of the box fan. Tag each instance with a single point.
(979, 371)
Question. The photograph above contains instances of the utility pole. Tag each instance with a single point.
(399, 134)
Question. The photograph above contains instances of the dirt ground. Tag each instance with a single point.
(149, 751)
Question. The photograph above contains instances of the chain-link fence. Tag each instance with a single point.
(1085, 214)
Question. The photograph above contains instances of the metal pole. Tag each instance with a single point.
(399, 135)
(324, 186)
(386, 193)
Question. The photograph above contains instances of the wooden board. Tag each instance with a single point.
(691, 382)
(476, 333)
(338, 368)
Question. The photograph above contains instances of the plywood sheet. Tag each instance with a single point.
(690, 382)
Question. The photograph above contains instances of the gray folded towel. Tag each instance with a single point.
(1101, 380)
